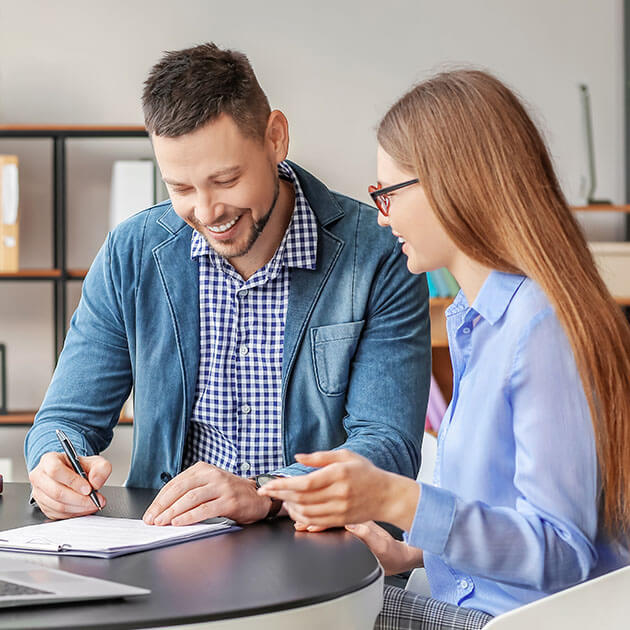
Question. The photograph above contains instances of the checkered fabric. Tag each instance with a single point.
(236, 422)
(405, 610)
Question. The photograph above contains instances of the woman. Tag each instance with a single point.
(533, 469)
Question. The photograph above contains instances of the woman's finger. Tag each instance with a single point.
(303, 483)
(323, 495)
(324, 458)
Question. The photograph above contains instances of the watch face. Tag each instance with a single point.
(261, 480)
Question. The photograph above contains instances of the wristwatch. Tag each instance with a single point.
(276, 504)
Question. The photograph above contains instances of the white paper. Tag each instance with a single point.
(132, 189)
(10, 194)
(102, 536)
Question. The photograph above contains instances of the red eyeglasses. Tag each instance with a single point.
(380, 196)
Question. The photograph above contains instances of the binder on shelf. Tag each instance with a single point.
(451, 283)
(613, 263)
(436, 407)
(9, 224)
(133, 189)
(3, 380)
(432, 290)
(440, 282)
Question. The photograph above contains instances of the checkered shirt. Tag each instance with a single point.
(236, 421)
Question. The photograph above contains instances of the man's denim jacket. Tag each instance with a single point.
(356, 363)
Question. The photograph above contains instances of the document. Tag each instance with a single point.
(104, 537)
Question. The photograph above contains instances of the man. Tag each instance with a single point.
(256, 314)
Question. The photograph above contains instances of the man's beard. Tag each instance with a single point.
(257, 227)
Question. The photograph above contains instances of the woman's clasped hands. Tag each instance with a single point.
(348, 490)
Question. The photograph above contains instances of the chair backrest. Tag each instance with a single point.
(600, 603)
(429, 456)
(417, 581)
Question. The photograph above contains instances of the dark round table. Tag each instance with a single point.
(266, 574)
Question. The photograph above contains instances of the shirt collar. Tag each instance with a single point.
(298, 247)
(493, 298)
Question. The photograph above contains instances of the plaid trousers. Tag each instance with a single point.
(405, 610)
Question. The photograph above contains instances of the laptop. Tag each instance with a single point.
(24, 583)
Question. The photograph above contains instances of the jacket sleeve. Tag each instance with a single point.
(386, 397)
(93, 376)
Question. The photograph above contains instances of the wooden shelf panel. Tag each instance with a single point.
(31, 273)
(441, 301)
(43, 127)
(27, 417)
(77, 273)
(602, 208)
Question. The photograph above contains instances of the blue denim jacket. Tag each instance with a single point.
(356, 358)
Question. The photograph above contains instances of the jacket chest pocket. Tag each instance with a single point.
(333, 348)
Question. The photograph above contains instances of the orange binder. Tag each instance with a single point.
(9, 224)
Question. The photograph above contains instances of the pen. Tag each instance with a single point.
(72, 456)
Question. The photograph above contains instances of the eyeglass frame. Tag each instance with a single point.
(379, 194)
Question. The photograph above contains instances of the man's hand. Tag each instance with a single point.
(394, 555)
(348, 488)
(205, 491)
(60, 492)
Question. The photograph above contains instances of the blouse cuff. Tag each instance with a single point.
(433, 521)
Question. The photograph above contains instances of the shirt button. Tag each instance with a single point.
(245, 466)
(243, 350)
(243, 293)
(463, 584)
(466, 330)
(246, 408)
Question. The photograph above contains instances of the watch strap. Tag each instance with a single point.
(274, 508)
(276, 504)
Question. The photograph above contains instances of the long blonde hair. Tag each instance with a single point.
(489, 178)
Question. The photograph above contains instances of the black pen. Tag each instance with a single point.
(73, 458)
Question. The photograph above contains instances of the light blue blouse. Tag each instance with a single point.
(514, 513)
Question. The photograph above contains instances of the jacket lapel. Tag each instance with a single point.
(180, 280)
(306, 285)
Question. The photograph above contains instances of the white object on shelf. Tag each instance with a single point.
(613, 263)
(10, 193)
(133, 189)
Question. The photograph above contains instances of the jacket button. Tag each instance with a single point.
(165, 477)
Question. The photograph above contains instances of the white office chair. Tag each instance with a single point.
(417, 581)
(600, 603)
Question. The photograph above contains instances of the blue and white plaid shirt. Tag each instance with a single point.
(236, 422)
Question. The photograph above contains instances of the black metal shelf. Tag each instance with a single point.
(59, 134)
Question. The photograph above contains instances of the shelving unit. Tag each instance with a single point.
(58, 274)
(25, 418)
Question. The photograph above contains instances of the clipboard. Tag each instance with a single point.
(105, 537)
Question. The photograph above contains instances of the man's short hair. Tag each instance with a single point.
(188, 88)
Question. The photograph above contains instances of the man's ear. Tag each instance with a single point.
(277, 135)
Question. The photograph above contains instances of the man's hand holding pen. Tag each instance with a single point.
(62, 493)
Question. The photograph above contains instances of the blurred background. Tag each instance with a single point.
(332, 67)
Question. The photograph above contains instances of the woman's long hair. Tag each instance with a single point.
(489, 178)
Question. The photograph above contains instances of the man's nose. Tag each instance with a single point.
(207, 209)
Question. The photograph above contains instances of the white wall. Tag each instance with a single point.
(332, 67)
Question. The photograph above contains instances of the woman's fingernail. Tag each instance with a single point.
(351, 527)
